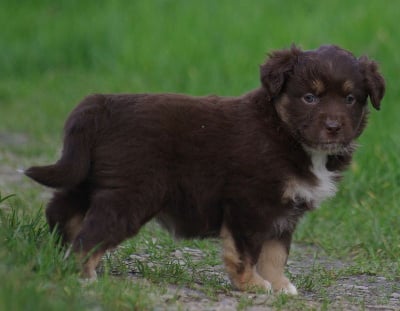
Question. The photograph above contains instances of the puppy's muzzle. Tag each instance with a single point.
(333, 126)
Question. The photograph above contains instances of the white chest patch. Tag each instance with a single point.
(313, 193)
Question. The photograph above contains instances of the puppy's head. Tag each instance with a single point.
(321, 95)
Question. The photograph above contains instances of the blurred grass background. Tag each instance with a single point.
(53, 53)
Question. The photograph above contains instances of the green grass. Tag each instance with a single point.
(53, 53)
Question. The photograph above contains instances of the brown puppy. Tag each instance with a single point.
(245, 168)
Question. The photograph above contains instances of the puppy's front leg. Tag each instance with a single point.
(271, 265)
(242, 272)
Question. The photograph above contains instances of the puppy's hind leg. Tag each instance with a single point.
(107, 223)
(241, 270)
(65, 212)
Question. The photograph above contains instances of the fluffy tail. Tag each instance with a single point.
(73, 166)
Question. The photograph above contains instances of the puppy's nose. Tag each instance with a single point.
(333, 126)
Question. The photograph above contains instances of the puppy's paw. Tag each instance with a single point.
(257, 283)
(253, 284)
(288, 289)
(260, 285)
(88, 273)
(284, 286)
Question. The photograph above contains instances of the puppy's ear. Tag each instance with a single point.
(274, 72)
(374, 81)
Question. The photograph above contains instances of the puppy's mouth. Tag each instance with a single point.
(331, 148)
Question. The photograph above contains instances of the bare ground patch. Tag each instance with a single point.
(341, 292)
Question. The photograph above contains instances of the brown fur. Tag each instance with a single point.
(244, 167)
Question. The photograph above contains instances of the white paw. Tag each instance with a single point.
(288, 289)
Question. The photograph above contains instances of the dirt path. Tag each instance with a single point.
(355, 292)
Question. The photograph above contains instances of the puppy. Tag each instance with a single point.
(245, 168)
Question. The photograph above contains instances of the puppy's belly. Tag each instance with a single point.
(192, 222)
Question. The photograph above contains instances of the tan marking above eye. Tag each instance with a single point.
(318, 86)
(348, 86)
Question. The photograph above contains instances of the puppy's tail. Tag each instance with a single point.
(74, 165)
(70, 170)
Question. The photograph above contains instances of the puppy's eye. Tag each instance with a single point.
(350, 99)
(310, 98)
